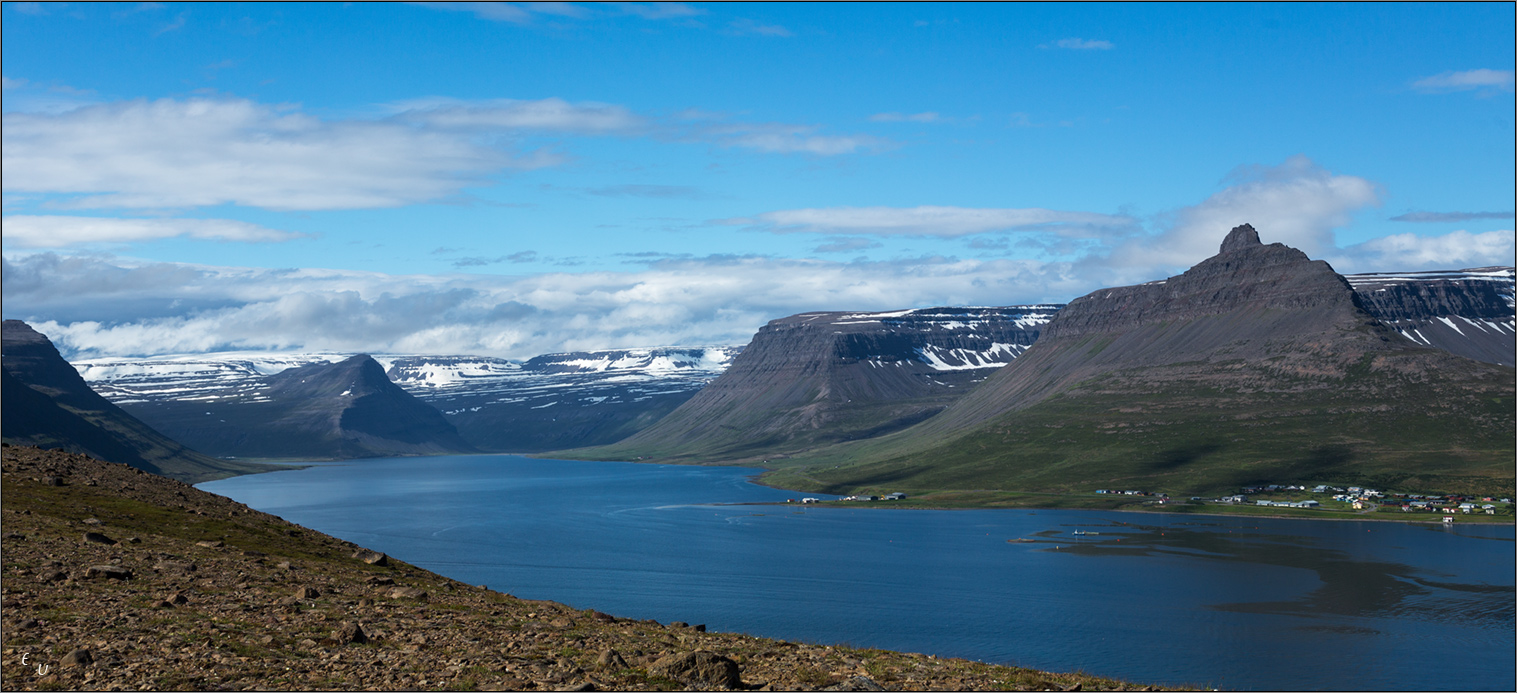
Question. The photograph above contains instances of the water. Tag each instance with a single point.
(1231, 603)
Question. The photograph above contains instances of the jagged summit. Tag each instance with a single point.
(1239, 238)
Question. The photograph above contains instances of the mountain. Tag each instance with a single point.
(47, 404)
(1466, 312)
(820, 378)
(549, 402)
(558, 401)
(346, 409)
(1256, 365)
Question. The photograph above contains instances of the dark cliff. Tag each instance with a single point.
(818, 378)
(1466, 312)
(1257, 364)
(47, 404)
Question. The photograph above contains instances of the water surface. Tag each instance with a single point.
(1250, 603)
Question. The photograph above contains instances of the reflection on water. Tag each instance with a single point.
(1350, 586)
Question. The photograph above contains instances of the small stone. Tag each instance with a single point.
(307, 593)
(858, 683)
(28, 624)
(381, 581)
(98, 538)
(91, 521)
(700, 628)
(133, 540)
(611, 659)
(211, 544)
(52, 576)
(52, 481)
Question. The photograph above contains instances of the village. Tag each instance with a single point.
(1357, 498)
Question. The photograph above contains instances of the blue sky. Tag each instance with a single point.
(511, 179)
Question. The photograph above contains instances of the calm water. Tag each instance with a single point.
(1231, 603)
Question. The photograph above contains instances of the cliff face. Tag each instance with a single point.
(817, 378)
(347, 409)
(47, 404)
(1257, 364)
(1465, 312)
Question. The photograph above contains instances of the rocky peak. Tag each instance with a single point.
(1239, 238)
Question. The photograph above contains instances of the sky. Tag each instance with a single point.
(516, 179)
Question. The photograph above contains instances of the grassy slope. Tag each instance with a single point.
(1192, 438)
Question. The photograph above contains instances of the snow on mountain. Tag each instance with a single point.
(1468, 312)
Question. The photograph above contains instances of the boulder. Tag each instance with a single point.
(113, 572)
(698, 669)
(307, 593)
(371, 557)
(98, 538)
(77, 658)
(348, 632)
(611, 659)
(408, 593)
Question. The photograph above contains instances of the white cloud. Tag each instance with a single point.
(782, 138)
(749, 27)
(1297, 203)
(201, 152)
(1079, 44)
(944, 222)
(1467, 80)
(927, 117)
(1410, 252)
(101, 306)
(550, 115)
(26, 231)
(513, 12)
(208, 151)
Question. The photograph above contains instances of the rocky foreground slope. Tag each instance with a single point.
(115, 579)
(1257, 365)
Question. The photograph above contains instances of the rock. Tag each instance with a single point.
(349, 633)
(113, 572)
(52, 481)
(174, 567)
(307, 593)
(98, 538)
(371, 557)
(856, 683)
(28, 624)
(380, 581)
(77, 658)
(211, 544)
(611, 659)
(698, 669)
(91, 521)
(602, 617)
(133, 540)
(699, 628)
(1075, 687)
(52, 576)
(408, 593)
(1239, 238)
(678, 624)
(586, 686)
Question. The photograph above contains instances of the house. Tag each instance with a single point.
(1308, 504)
(1358, 504)
(811, 500)
(1489, 509)
(1448, 519)
(1320, 489)
(1236, 499)
(1466, 507)
(895, 496)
